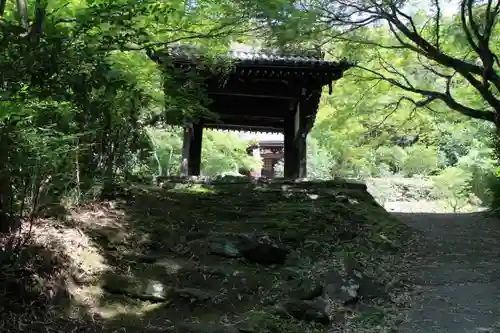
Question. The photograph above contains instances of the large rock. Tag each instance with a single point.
(348, 288)
(225, 248)
(338, 288)
(352, 287)
(329, 300)
(144, 289)
(193, 294)
(368, 288)
(263, 251)
(152, 290)
(256, 249)
(170, 266)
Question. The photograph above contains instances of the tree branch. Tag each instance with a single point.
(430, 96)
(437, 24)
(404, 29)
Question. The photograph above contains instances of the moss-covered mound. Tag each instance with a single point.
(237, 256)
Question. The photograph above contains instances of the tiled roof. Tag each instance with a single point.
(185, 53)
(262, 137)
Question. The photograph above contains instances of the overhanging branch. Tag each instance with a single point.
(430, 96)
(407, 36)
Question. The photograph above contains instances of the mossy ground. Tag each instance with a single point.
(321, 222)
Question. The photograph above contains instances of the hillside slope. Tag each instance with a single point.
(225, 256)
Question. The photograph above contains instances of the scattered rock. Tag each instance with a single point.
(170, 266)
(263, 252)
(307, 294)
(342, 198)
(369, 288)
(347, 289)
(255, 249)
(340, 288)
(193, 294)
(151, 290)
(224, 248)
(143, 289)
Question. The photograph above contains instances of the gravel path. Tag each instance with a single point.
(456, 271)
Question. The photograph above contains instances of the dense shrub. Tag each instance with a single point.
(419, 160)
(453, 185)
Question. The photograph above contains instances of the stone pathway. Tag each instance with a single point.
(456, 273)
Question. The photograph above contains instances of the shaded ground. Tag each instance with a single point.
(456, 265)
(219, 258)
(456, 272)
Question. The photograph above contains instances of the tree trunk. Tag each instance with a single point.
(22, 12)
(2, 6)
(6, 220)
(496, 142)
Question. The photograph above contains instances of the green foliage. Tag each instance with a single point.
(84, 108)
(392, 157)
(226, 152)
(480, 163)
(319, 161)
(494, 187)
(403, 86)
(81, 99)
(167, 145)
(419, 160)
(453, 184)
(222, 152)
(79, 91)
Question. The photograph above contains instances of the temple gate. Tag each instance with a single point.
(271, 152)
(259, 93)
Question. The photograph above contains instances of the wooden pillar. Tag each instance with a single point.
(191, 149)
(186, 146)
(289, 168)
(295, 145)
(194, 161)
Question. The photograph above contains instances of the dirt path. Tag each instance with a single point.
(456, 271)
